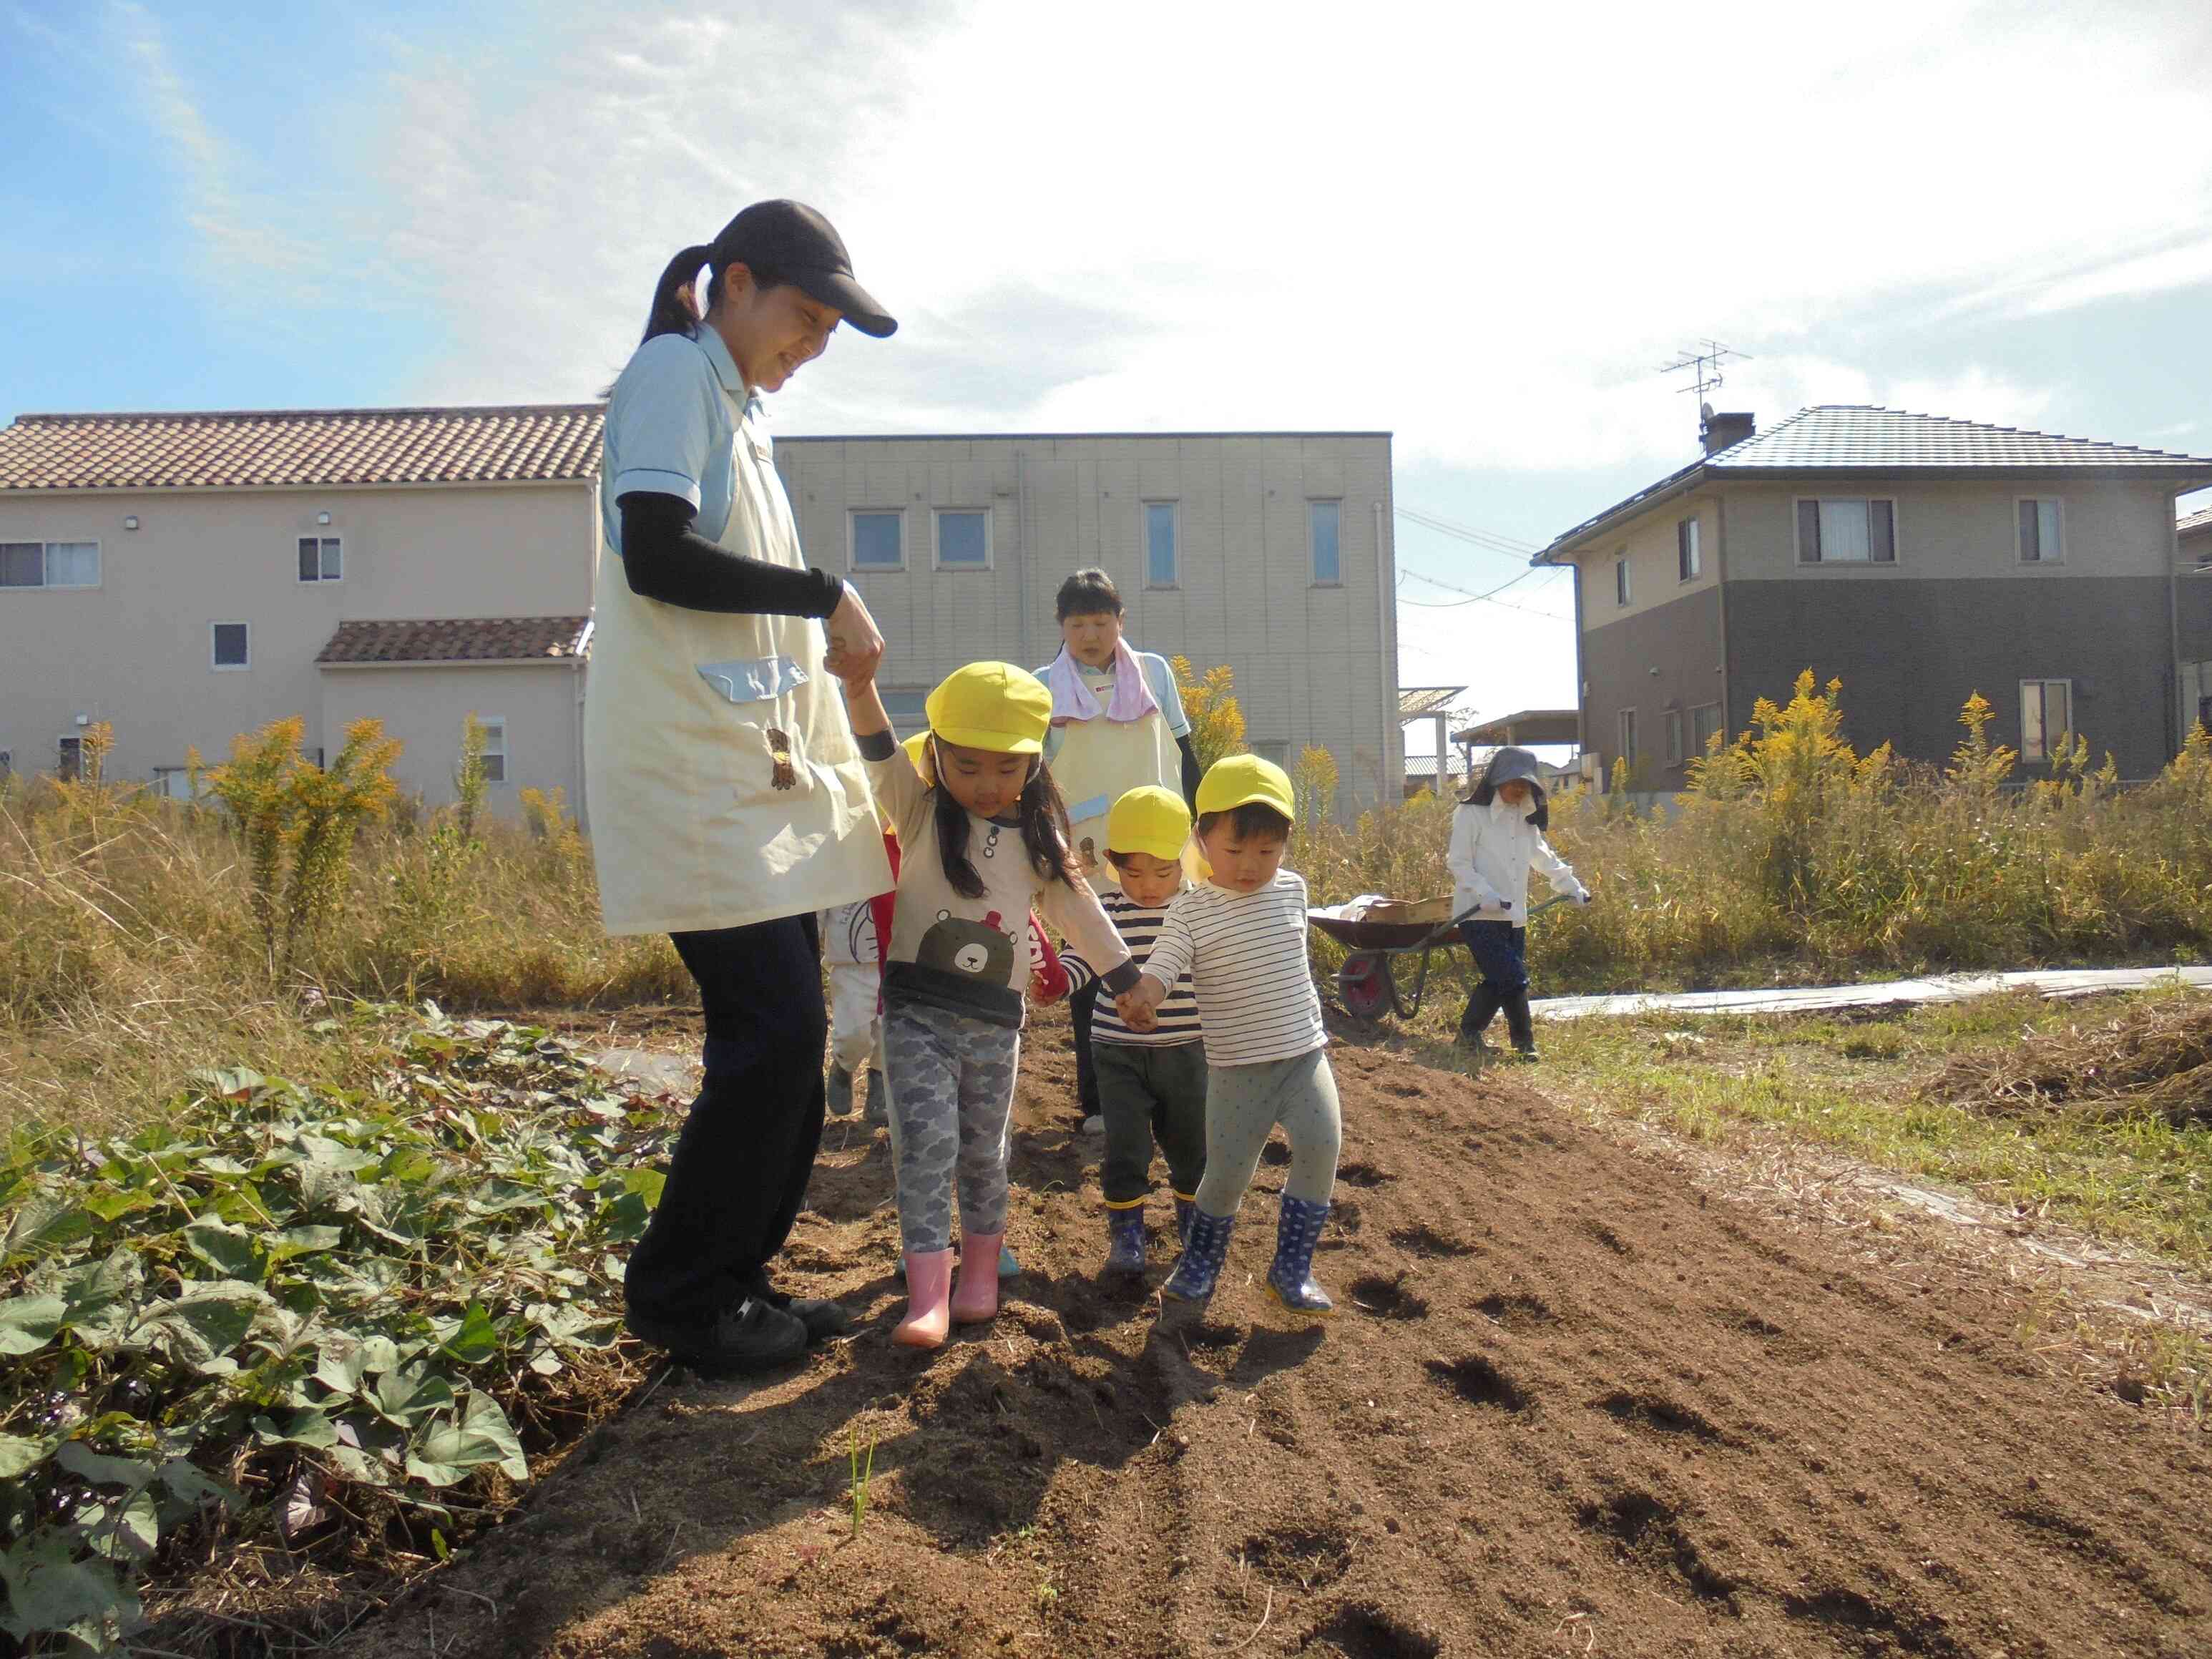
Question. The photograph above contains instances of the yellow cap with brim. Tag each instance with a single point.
(917, 750)
(1238, 780)
(992, 706)
(1150, 820)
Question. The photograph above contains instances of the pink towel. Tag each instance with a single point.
(1072, 700)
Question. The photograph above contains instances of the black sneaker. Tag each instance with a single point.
(879, 1100)
(840, 1101)
(752, 1336)
(824, 1320)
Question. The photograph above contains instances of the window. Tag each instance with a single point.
(494, 753)
(1278, 752)
(1620, 580)
(1673, 737)
(878, 541)
(1688, 562)
(908, 712)
(1324, 520)
(175, 783)
(1704, 726)
(2042, 533)
(319, 559)
(964, 539)
(1159, 544)
(2046, 717)
(69, 758)
(1628, 736)
(232, 649)
(49, 564)
(1847, 532)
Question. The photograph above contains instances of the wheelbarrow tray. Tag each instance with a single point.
(1382, 924)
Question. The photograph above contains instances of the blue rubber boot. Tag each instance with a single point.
(1125, 1240)
(1290, 1281)
(1185, 1208)
(1200, 1266)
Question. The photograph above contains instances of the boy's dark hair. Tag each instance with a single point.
(1254, 820)
(1043, 816)
(676, 308)
(1086, 593)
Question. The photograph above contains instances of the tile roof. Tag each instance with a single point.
(2200, 519)
(302, 447)
(1857, 437)
(1416, 700)
(461, 639)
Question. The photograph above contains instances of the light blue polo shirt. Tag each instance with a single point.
(671, 430)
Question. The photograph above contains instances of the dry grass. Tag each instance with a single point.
(2152, 1058)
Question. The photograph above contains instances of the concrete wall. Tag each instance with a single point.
(424, 707)
(1666, 658)
(1313, 664)
(1653, 552)
(136, 651)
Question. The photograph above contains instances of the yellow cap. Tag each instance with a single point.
(1149, 819)
(917, 750)
(1236, 780)
(992, 706)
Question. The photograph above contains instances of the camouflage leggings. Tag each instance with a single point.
(952, 1080)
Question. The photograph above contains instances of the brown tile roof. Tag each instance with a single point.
(461, 639)
(2200, 519)
(302, 447)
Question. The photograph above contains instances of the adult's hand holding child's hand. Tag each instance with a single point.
(855, 644)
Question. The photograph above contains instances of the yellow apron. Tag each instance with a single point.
(723, 783)
(1099, 761)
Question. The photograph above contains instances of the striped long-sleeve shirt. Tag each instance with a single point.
(1140, 926)
(1246, 957)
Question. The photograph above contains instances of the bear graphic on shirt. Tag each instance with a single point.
(975, 950)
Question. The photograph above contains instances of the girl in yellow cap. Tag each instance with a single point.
(982, 838)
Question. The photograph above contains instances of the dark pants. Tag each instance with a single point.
(1149, 1092)
(1501, 956)
(1080, 1006)
(739, 1176)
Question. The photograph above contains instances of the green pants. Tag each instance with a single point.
(1243, 1103)
(1149, 1092)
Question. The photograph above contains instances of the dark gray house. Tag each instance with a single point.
(1916, 558)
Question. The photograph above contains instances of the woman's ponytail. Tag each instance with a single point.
(675, 302)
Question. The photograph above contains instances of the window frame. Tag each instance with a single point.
(1816, 562)
(921, 712)
(1676, 730)
(1720, 725)
(71, 744)
(937, 539)
(1689, 548)
(1260, 746)
(216, 664)
(160, 779)
(1174, 505)
(2020, 542)
(46, 546)
(491, 724)
(2042, 757)
(324, 545)
(1625, 723)
(1313, 578)
(1623, 588)
(852, 516)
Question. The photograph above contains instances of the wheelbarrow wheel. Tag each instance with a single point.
(1363, 984)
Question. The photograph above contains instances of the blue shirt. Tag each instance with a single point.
(670, 429)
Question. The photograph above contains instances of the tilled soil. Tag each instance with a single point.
(1569, 1404)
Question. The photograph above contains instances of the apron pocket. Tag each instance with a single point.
(753, 680)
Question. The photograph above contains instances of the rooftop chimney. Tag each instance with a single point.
(1719, 431)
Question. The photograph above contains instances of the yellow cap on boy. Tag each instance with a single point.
(992, 706)
(1236, 780)
(1150, 820)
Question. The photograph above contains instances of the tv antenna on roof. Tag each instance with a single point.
(1704, 359)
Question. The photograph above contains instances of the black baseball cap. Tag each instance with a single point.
(794, 241)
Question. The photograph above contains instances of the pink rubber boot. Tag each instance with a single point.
(928, 1317)
(976, 1298)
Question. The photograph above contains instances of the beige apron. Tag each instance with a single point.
(1102, 760)
(723, 786)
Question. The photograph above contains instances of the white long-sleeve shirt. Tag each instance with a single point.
(1493, 848)
(1246, 957)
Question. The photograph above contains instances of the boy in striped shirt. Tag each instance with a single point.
(1242, 939)
(1152, 1084)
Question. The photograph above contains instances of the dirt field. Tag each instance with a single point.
(1571, 1404)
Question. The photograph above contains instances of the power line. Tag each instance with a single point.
(1489, 540)
(1468, 594)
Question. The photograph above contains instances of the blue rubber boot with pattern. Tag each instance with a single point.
(1200, 1266)
(1185, 1208)
(1290, 1281)
(1125, 1240)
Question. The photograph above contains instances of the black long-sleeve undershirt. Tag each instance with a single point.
(666, 559)
(1191, 771)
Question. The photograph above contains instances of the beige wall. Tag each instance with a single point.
(1314, 665)
(424, 708)
(136, 651)
(1652, 550)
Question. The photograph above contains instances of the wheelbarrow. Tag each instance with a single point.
(1380, 932)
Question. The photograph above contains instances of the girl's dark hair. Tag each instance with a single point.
(1043, 816)
(1253, 819)
(676, 308)
(1086, 593)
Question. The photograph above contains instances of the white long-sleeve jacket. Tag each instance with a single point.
(1493, 849)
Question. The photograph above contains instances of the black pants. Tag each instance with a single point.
(1080, 1006)
(1151, 1093)
(1501, 956)
(739, 1176)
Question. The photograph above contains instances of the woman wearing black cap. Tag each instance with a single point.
(1497, 834)
(728, 803)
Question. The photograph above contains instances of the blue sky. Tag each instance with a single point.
(1480, 228)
